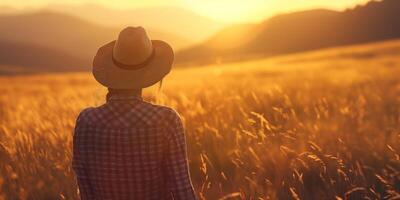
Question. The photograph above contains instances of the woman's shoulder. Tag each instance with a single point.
(161, 109)
(84, 115)
(166, 112)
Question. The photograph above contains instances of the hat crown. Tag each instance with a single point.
(133, 46)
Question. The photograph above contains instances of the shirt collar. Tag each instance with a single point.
(122, 98)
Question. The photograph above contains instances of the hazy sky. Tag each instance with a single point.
(223, 10)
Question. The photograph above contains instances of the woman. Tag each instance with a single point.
(128, 148)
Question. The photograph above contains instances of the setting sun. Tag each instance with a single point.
(257, 10)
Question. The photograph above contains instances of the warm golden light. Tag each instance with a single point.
(278, 99)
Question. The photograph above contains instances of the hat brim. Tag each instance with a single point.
(112, 76)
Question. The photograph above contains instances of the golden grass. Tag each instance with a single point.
(321, 125)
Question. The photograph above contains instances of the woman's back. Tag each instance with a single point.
(131, 149)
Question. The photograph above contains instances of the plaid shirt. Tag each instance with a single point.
(131, 149)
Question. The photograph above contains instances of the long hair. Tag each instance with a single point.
(159, 92)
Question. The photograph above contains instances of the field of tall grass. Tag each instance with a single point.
(318, 125)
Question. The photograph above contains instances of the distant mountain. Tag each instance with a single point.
(66, 32)
(301, 31)
(62, 34)
(58, 33)
(174, 20)
(16, 58)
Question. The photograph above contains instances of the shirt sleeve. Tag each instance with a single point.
(178, 177)
(85, 189)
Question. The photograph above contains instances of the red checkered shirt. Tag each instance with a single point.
(131, 149)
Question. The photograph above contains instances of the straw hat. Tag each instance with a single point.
(133, 61)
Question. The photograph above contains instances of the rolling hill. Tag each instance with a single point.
(300, 31)
(174, 20)
(63, 34)
(19, 58)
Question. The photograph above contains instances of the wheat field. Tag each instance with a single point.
(318, 125)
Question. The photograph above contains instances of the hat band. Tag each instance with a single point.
(134, 67)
